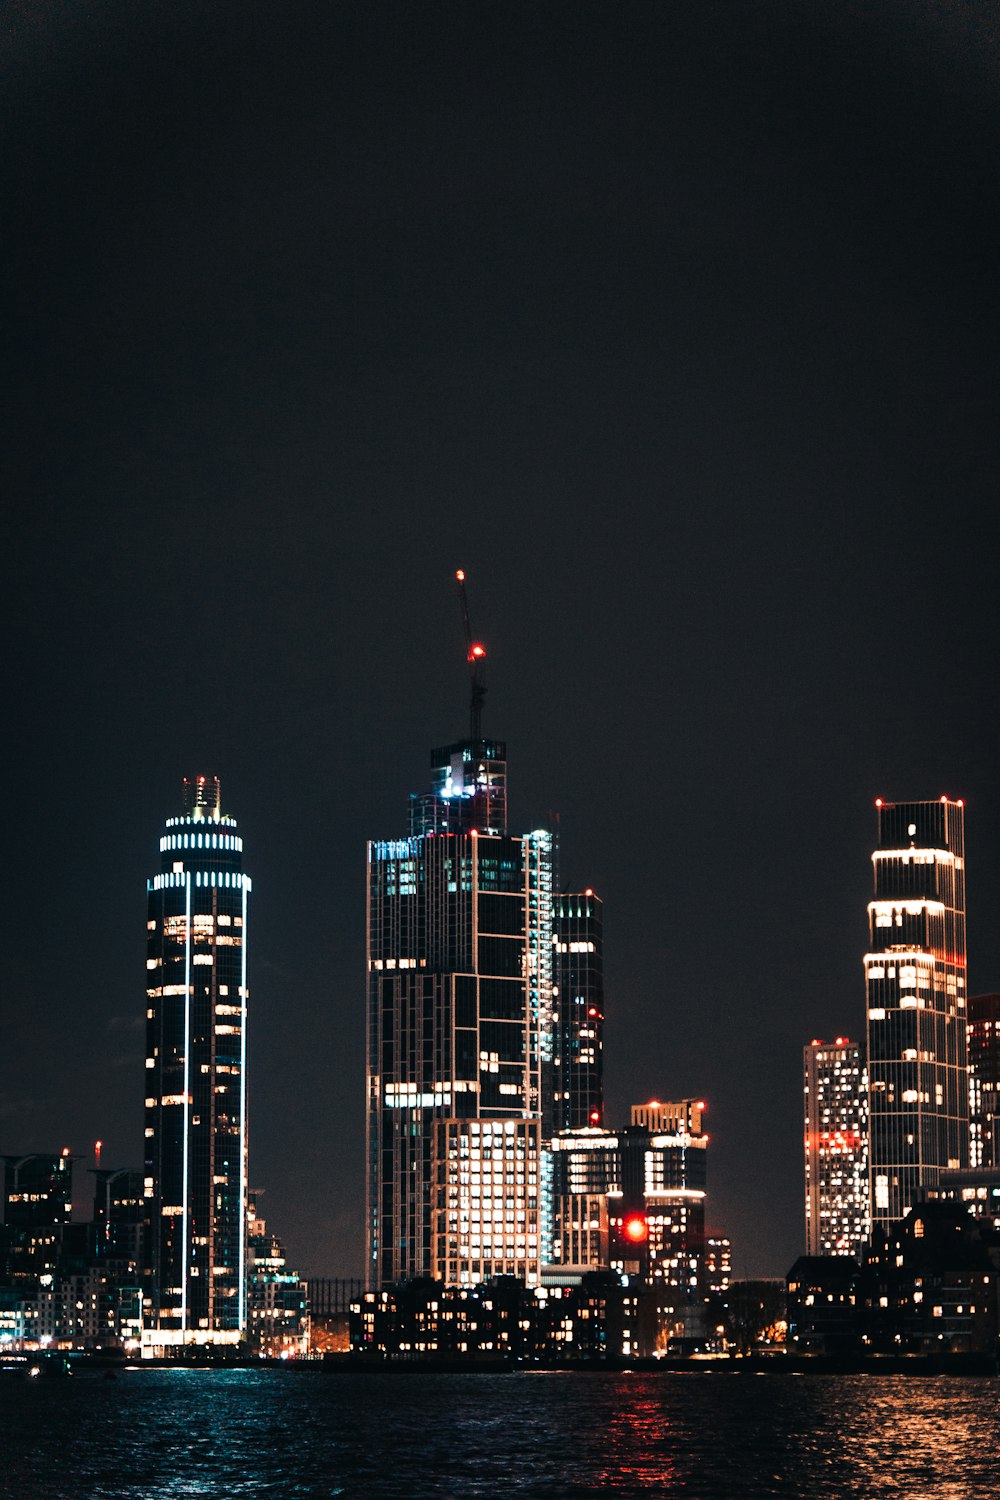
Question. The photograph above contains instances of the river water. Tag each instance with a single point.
(221, 1435)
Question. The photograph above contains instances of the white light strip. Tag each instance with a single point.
(243, 1126)
(942, 856)
(186, 1230)
(902, 956)
(912, 907)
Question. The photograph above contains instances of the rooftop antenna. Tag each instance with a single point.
(475, 653)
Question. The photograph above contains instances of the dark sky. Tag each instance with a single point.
(676, 325)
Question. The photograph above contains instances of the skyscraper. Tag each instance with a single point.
(195, 1179)
(915, 973)
(459, 918)
(984, 1079)
(835, 1091)
(577, 1087)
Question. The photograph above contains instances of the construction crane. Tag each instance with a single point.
(475, 653)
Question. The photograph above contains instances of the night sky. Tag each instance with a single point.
(676, 326)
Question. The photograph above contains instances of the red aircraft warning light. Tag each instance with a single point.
(635, 1229)
(595, 1116)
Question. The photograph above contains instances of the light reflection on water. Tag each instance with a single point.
(214, 1435)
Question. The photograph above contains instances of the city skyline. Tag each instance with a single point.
(679, 331)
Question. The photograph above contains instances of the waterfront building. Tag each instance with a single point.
(459, 955)
(984, 1080)
(278, 1323)
(585, 1187)
(835, 1091)
(658, 1226)
(716, 1271)
(195, 1175)
(577, 1088)
(38, 1203)
(915, 973)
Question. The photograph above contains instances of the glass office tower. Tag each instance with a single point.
(984, 1080)
(915, 973)
(195, 1178)
(577, 1087)
(459, 923)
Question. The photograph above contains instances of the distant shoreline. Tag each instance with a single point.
(925, 1365)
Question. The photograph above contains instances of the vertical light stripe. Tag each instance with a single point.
(186, 1229)
(243, 1127)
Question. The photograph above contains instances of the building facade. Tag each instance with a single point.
(835, 1095)
(195, 1175)
(984, 1080)
(915, 974)
(577, 1083)
(459, 921)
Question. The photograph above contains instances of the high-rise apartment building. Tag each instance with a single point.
(577, 1050)
(984, 1080)
(835, 1095)
(915, 973)
(195, 1177)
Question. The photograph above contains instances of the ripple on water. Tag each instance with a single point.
(223, 1435)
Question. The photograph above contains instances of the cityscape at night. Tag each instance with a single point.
(503, 814)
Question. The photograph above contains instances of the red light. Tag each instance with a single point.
(460, 575)
(960, 802)
(476, 652)
(595, 1115)
(65, 1151)
(702, 1105)
(201, 780)
(592, 1011)
(879, 802)
(588, 891)
(636, 1229)
(944, 799)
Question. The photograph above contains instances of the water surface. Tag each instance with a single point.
(222, 1435)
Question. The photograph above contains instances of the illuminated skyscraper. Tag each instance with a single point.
(195, 1179)
(577, 1089)
(836, 1148)
(984, 1080)
(915, 975)
(459, 980)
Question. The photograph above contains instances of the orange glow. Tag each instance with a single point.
(636, 1229)
(701, 1105)
(588, 891)
(653, 1104)
(460, 575)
